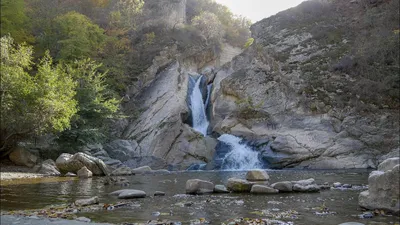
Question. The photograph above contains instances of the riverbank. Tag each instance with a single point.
(15, 220)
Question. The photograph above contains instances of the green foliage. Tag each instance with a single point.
(78, 37)
(249, 42)
(209, 26)
(32, 105)
(95, 104)
(13, 20)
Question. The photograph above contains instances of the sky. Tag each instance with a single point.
(256, 10)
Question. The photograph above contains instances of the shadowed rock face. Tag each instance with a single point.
(285, 89)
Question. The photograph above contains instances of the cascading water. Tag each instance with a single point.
(240, 156)
(197, 106)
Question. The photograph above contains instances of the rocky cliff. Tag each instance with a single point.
(318, 88)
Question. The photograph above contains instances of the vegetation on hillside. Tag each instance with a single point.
(65, 64)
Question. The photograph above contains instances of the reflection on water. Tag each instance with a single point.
(215, 208)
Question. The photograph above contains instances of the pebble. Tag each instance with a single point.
(83, 219)
(366, 215)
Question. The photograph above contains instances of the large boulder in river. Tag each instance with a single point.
(197, 186)
(238, 185)
(283, 186)
(48, 167)
(383, 188)
(22, 157)
(257, 175)
(263, 189)
(72, 163)
(128, 193)
(84, 173)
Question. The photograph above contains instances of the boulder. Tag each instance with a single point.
(48, 167)
(85, 202)
(383, 188)
(84, 173)
(22, 157)
(220, 189)
(131, 193)
(388, 164)
(143, 169)
(306, 188)
(122, 171)
(197, 186)
(257, 175)
(159, 193)
(304, 182)
(122, 150)
(283, 186)
(72, 163)
(238, 185)
(263, 189)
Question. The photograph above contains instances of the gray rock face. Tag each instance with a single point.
(389, 164)
(265, 93)
(22, 157)
(85, 202)
(122, 171)
(383, 188)
(283, 186)
(84, 173)
(238, 185)
(160, 130)
(263, 189)
(220, 189)
(143, 169)
(122, 150)
(197, 186)
(48, 167)
(257, 175)
(72, 163)
(152, 161)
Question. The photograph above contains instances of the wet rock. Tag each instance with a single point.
(306, 188)
(48, 167)
(83, 219)
(257, 175)
(22, 157)
(347, 186)
(72, 163)
(159, 193)
(283, 186)
(383, 189)
(262, 189)
(304, 182)
(197, 186)
(84, 173)
(122, 171)
(219, 188)
(388, 164)
(337, 184)
(366, 215)
(238, 185)
(351, 223)
(143, 169)
(69, 174)
(85, 202)
(131, 193)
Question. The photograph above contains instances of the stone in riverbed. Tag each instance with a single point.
(262, 189)
(304, 182)
(84, 173)
(85, 202)
(337, 184)
(48, 167)
(83, 219)
(306, 188)
(219, 188)
(159, 193)
(197, 186)
(142, 169)
(283, 186)
(128, 194)
(72, 163)
(122, 171)
(238, 185)
(257, 175)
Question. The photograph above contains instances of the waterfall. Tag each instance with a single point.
(198, 108)
(240, 155)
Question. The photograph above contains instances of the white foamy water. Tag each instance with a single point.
(241, 157)
(199, 117)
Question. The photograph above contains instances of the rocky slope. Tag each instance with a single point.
(298, 92)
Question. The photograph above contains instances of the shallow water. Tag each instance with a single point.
(214, 208)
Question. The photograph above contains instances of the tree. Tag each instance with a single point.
(209, 25)
(32, 105)
(78, 37)
(13, 20)
(95, 104)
